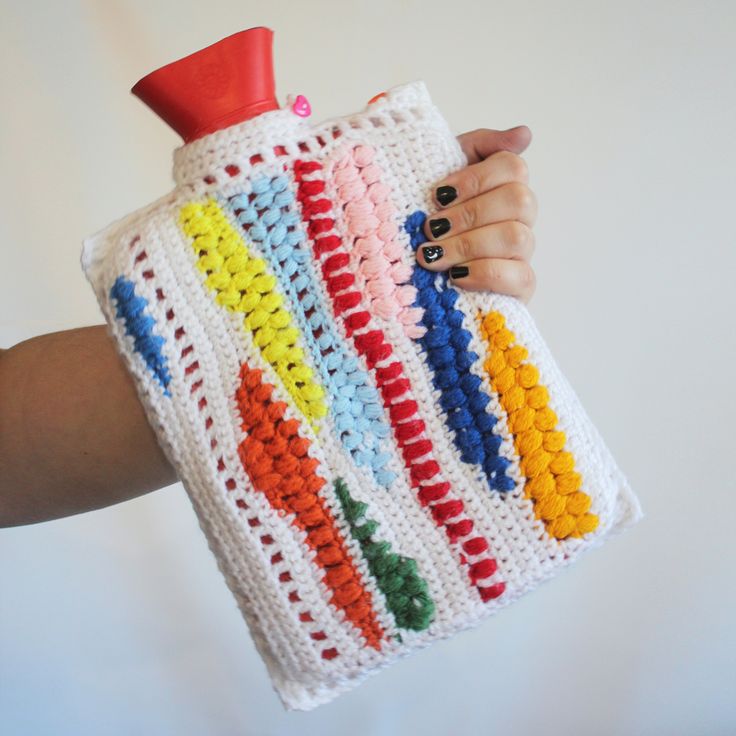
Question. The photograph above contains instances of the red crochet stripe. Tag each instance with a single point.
(371, 343)
(237, 494)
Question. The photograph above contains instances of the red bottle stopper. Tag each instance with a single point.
(218, 86)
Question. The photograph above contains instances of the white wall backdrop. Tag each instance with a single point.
(118, 622)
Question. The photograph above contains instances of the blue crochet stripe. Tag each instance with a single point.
(272, 223)
(131, 308)
(446, 345)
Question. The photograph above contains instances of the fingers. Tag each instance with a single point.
(501, 168)
(482, 232)
(510, 239)
(483, 142)
(515, 278)
(513, 201)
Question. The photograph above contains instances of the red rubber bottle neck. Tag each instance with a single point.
(221, 85)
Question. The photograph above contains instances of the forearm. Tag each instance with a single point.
(73, 434)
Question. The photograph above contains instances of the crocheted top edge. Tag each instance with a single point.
(216, 158)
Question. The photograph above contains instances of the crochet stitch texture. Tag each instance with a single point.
(377, 459)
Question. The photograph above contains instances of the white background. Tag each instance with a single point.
(118, 622)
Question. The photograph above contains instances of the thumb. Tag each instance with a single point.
(481, 143)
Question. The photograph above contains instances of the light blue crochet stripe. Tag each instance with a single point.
(354, 402)
(131, 308)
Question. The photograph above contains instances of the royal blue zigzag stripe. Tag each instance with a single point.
(131, 308)
(446, 345)
(272, 224)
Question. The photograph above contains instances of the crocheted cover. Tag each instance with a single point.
(378, 459)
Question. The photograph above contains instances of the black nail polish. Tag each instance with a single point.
(458, 272)
(432, 253)
(445, 195)
(439, 226)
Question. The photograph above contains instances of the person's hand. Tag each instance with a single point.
(482, 231)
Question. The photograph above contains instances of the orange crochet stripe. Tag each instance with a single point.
(277, 461)
(552, 483)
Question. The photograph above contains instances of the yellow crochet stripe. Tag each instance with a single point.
(552, 483)
(242, 284)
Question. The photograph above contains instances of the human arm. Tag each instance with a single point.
(73, 434)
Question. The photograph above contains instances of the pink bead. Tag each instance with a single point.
(301, 106)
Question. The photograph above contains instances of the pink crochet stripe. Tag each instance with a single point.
(372, 223)
(395, 387)
(192, 374)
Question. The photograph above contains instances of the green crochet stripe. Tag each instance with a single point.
(398, 579)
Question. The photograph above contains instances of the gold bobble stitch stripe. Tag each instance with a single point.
(551, 480)
(243, 284)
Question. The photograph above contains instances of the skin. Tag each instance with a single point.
(73, 434)
(492, 217)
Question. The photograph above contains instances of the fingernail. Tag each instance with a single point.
(445, 195)
(458, 272)
(439, 226)
(432, 253)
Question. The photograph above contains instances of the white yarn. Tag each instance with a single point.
(191, 404)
